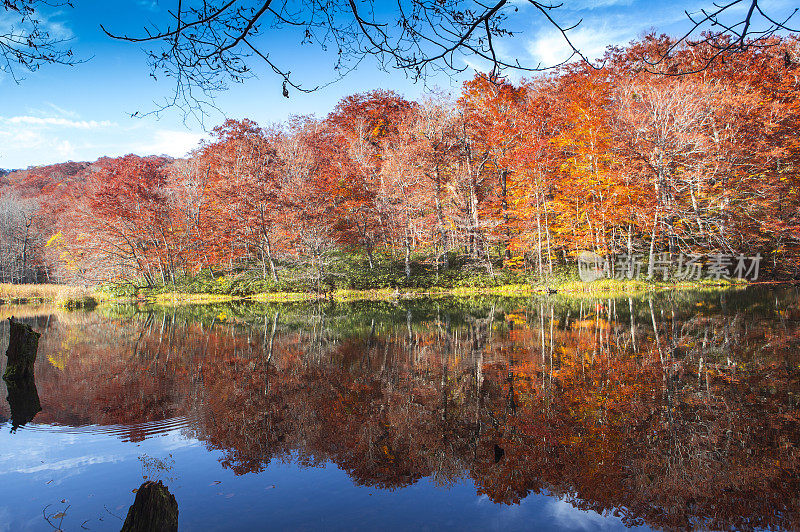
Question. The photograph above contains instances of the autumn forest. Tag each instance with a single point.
(500, 182)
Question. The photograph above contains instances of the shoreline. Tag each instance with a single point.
(77, 298)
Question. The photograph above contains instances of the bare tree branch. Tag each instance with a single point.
(26, 42)
(723, 38)
(207, 44)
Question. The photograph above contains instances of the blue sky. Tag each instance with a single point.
(83, 112)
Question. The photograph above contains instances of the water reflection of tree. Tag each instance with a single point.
(677, 413)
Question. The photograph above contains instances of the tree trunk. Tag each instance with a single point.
(539, 237)
(440, 218)
(407, 259)
(23, 342)
(268, 249)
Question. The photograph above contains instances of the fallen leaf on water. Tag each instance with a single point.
(215, 483)
(59, 515)
(49, 481)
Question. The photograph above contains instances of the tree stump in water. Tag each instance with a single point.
(23, 399)
(154, 510)
(23, 342)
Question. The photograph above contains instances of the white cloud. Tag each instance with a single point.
(615, 22)
(170, 142)
(50, 134)
(550, 48)
(65, 150)
(42, 137)
(597, 4)
(578, 5)
(150, 5)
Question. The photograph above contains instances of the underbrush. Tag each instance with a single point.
(350, 276)
(343, 272)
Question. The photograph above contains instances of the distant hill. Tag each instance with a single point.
(37, 180)
(32, 181)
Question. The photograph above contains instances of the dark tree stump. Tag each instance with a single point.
(23, 399)
(23, 342)
(154, 510)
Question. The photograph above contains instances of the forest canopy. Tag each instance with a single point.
(502, 177)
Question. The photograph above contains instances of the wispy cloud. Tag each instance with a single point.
(605, 23)
(58, 110)
(150, 5)
(50, 134)
(581, 5)
(56, 121)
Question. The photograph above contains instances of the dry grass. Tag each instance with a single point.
(61, 295)
(27, 311)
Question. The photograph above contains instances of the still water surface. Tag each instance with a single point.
(675, 411)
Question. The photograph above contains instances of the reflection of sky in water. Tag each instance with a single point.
(95, 474)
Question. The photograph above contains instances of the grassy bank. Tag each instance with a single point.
(351, 276)
(59, 295)
(73, 297)
(571, 288)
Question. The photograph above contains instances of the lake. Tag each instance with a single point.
(678, 410)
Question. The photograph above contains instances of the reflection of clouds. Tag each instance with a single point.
(77, 463)
(567, 516)
(178, 439)
(483, 500)
(541, 511)
(40, 453)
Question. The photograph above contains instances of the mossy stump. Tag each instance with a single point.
(153, 510)
(23, 343)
